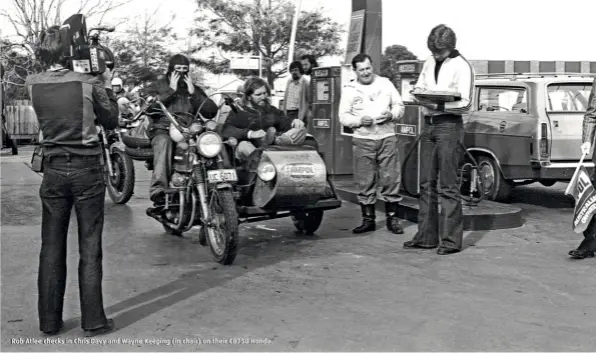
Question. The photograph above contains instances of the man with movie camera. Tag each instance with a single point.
(68, 105)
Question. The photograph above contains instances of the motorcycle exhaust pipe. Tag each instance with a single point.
(193, 211)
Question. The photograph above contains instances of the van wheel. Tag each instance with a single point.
(495, 186)
(548, 182)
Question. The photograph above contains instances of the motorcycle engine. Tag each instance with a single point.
(182, 160)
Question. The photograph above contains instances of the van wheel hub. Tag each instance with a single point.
(488, 177)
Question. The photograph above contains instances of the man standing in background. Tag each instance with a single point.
(296, 99)
(308, 64)
(371, 105)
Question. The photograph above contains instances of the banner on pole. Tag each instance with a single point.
(583, 192)
(355, 35)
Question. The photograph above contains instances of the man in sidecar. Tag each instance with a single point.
(257, 123)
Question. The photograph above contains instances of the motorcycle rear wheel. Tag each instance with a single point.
(121, 185)
(223, 236)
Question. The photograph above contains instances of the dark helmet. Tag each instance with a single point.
(177, 59)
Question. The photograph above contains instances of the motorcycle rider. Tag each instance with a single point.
(124, 98)
(259, 123)
(118, 87)
(179, 94)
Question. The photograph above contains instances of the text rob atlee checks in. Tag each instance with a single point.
(141, 342)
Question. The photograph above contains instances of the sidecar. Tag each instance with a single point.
(285, 181)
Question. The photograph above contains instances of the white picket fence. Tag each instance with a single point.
(21, 121)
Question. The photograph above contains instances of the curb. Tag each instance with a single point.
(487, 215)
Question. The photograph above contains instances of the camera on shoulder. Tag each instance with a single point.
(85, 53)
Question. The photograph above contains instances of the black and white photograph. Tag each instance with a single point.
(297, 176)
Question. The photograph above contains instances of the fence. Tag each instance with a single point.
(21, 121)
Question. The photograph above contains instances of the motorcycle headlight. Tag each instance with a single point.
(266, 171)
(211, 125)
(209, 144)
(195, 128)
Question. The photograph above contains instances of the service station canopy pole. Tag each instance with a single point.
(293, 35)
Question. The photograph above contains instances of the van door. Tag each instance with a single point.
(566, 105)
(504, 126)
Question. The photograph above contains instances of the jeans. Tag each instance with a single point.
(376, 165)
(162, 163)
(440, 158)
(71, 180)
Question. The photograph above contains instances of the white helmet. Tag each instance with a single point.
(117, 81)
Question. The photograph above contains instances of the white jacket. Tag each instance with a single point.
(370, 100)
(456, 75)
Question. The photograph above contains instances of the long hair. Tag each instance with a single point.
(311, 59)
(253, 84)
(50, 47)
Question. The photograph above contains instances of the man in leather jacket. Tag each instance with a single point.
(258, 123)
(178, 93)
(588, 245)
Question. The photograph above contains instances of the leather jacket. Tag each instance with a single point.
(589, 124)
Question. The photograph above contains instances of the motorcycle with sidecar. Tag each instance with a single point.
(212, 191)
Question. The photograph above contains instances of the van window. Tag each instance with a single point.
(568, 97)
(503, 99)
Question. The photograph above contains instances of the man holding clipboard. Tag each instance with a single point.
(445, 90)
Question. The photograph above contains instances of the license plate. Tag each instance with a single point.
(301, 170)
(222, 175)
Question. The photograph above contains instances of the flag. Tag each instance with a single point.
(583, 192)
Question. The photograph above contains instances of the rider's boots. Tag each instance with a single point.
(368, 220)
(392, 220)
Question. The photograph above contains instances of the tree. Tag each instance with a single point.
(18, 65)
(142, 54)
(393, 54)
(261, 26)
(28, 18)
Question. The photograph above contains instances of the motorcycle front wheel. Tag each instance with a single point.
(222, 234)
(121, 185)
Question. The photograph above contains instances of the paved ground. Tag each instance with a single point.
(510, 290)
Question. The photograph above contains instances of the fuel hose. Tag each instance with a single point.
(474, 174)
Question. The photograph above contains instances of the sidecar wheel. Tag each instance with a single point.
(223, 237)
(121, 185)
(171, 231)
(308, 222)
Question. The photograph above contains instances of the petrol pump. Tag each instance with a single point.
(409, 127)
(335, 141)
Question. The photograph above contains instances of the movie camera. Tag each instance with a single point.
(85, 53)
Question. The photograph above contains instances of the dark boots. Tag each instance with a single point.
(368, 220)
(392, 220)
